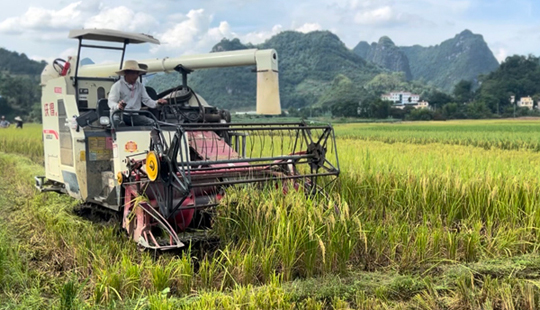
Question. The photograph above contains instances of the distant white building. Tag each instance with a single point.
(401, 97)
(419, 105)
(526, 102)
(405, 99)
(422, 105)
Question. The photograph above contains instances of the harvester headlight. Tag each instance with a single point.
(104, 121)
(152, 165)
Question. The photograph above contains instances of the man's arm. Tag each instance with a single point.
(114, 97)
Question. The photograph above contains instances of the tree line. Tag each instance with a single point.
(489, 97)
(20, 95)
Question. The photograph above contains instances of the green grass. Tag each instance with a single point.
(411, 225)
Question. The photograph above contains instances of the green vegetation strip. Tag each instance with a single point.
(486, 134)
(490, 134)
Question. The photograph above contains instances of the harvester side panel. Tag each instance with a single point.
(98, 156)
(132, 143)
(51, 137)
(61, 141)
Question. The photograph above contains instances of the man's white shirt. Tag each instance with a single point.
(132, 95)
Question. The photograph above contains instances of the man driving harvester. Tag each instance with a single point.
(128, 93)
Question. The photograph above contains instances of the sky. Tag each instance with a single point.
(40, 28)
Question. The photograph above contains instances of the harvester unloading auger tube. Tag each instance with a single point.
(163, 179)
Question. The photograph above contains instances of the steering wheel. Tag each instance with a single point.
(58, 65)
(181, 94)
(179, 103)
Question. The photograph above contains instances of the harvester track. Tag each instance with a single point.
(98, 214)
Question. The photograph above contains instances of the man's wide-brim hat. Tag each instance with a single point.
(132, 65)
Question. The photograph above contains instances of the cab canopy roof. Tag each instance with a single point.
(109, 35)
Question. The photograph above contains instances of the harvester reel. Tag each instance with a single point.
(319, 156)
(191, 170)
(309, 184)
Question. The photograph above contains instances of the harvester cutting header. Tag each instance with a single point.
(161, 175)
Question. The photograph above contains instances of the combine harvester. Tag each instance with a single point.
(160, 179)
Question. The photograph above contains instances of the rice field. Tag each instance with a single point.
(26, 142)
(490, 134)
(424, 216)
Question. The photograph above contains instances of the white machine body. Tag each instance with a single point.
(85, 161)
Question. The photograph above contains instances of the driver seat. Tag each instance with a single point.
(103, 108)
(151, 93)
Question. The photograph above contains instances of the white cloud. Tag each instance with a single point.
(375, 16)
(193, 33)
(389, 16)
(500, 53)
(51, 24)
(42, 19)
(40, 58)
(224, 30)
(309, 27)
(257, 37)
(68, 52)
(121, 18)
(448, 6)
(63, 55)
(359, 4)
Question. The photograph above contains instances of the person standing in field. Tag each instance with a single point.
(3, 122)
(128, 93)
(19, 122)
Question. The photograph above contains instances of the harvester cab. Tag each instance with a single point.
(161, 178)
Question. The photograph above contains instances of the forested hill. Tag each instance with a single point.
(517, 76)
(19, 85)
(463, 57)
(16, 63)
(317, 69)
(308, 64)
